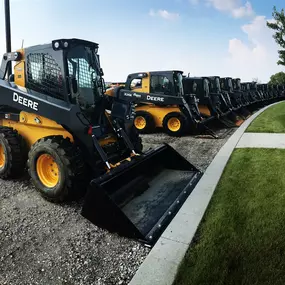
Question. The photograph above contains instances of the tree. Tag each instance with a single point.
(279, 27)
(278, 78)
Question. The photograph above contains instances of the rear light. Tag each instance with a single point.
(89, 130)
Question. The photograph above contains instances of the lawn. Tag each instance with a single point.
(241, 239)
(271, 120)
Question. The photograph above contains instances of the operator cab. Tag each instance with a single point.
(215, 84)
(200, 86)
(65, 71)
(237, 84)
(157, 82)
(227, 84)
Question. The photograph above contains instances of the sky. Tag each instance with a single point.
(200, 37)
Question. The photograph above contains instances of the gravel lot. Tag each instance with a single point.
(43, 243)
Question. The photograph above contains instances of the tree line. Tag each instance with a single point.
(278, 26)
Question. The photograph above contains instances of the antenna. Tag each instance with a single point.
(22, 43)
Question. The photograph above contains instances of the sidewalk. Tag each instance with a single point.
(261, 140)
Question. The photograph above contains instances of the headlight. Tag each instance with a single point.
(56, 45)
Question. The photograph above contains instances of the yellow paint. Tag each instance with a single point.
(239, 122)
(47, 170)
(158, 113)
(140, 122)
(110, 92)
(109, 140)
(204, 110)
(145, 88)
(122, 161)
(174, 124)
(33, 127)
(19, 70)
(2, 156)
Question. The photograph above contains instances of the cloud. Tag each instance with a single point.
(234, 7)
(243, 11)
(164, 14)
(259, 55)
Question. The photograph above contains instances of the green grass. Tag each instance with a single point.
(271, 120)
(241, 239)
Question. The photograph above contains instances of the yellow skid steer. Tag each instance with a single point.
(54, 119)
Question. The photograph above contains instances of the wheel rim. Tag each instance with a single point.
(140, 122)
(2, 156)
(47, 170)
(174, 124)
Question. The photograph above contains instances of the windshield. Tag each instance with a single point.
(238, 84)
(230, 84)
(178, 83)
(83, 65)
(218, 85)
(206, 87)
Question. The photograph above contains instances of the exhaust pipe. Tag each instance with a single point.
(8, 34)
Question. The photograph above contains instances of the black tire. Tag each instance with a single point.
(183, 124)
(150, 124)
(73, 178)
(14, 152)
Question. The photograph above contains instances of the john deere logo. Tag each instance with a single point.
(25, 101)
(152, 98)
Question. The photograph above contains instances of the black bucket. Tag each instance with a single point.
(139, 199)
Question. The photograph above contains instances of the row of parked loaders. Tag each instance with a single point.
(199, 105)
(78, 140)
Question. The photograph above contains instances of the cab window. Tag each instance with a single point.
(160, 84)
(136, 83)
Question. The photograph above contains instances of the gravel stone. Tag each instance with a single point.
(46, 243)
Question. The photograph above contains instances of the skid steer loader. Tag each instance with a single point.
(210, 101)
(253, 106)
(54, 118)
(215, 103)
(160, 103)
(234, 98)
(261, 90)
(277, 90)
(244, 95)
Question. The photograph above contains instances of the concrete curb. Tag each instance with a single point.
(161, 264)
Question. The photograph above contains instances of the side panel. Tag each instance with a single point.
(158, 113)
(146, 84)
(204, 110)
(64, 114)
(32, 127)
(143, 87)
(19, 70)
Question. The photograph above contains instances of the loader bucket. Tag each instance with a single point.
(204, 110)
(235, 118)
(141, 198)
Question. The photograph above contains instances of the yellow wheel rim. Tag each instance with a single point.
(2, 156)
(140, 122)
(174, 124)
(47, 170)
